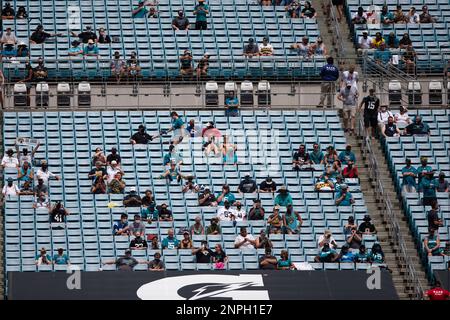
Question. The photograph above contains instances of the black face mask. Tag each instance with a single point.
(44, 167)
(10, 184)
(227, 206)
(239, 207)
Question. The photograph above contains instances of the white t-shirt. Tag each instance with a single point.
(44, 175)
(11, 39)
(265, 49)
(246, 245)
(111, 173)
(26, 158)
(240, 215)
(402, 118)
(11, 191)
(353, 77)
(414, 18)
(329, 241)
(365, 43)
(383, 116)
(10, 162)
(225, 214)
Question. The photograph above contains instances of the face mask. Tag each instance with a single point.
(239, 207)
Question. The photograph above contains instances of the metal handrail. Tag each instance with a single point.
(389, 213)
(336, 30)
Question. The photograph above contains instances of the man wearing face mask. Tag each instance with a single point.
(247, 185)
(10, 189)
(40, 72)
(91, 49)
(114, 156)
(39, 35)
(133, 65)
(86, 35)
(251, 49)
(268, 185)
(44, 174)
(390, 129)
(201, 11)
(418, 127)
(349, 97)
(9, 161)
(364, 42)
(383, 115)
(405, 41)
(226, 213)
(140, 137)
(180, 22)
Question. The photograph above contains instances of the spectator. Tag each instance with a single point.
(76, 50)
(240, 214)
(425, 16)
(350, 171)
(301, 159)
(112, 169)
(382, 56)
(339, 8)
(413, 16)
(247, 185)
(362, 256)
(172, 174)
(186, 243)
(150, 213)
(91, 49)
(251, 49)
(165, 214)
(308, 11)
(138, 243)
(262, 241)
(409, 58)
(327, 239)
(26, 156)
(405, 41)
(173, 156)
(118, 67)
(284, 263)
(225, 195)
(126, 262)
(98, 176)
(265, 48)
(303, 48)
(180, 22)
(428, 185)
(349, 225)
(206, 198)
(86, 35)
(283, 199)
(203, 65)
(432, 244)
(44, 174)
(318, 48)
(40, 187)
(58, 213)
(383, 116)
(8, 39)
(409, 174)
(365, 42)
(390, 128)
(293, 8)
(269, 262)
(137, 225)
(330, 156)
(391, 41)
(117, 184)
(225, 212)
(194, 129)
(367, 227)
(177, 127)
(275, 221)
(443, 185)
(121, 227)
(257, 212)
(219, 257)
(10, 189)
(386, 16)
(347, 155)
(22, 50)
(349, 97)
(190, 185)
(99, 157)
(61, 258)
(103, 37)
(418, 127)
(204, 253)
(26, 189)
(133, 67)
(186, 63)
(9, 161)
(329, 74)
(346, 256)
(360, 17)
(326, 254)
(132, 199)
(171, 242)
(268, 185)
(229, 155)
(402, 117)
(154, 245)
(43, 258)
(376, 254)
(201, 11)
(339, 182)
(437, 292)
(214, 228)
(292, 221)
(140, 11)
(148, 200)
(434, 222)
(140, 137)
(244, 240)
(21, 13)
(350, 76)
(316, 156)
(399, 16)
(114, 156)
(232, 105)
(344, 197)
(41, 201)
(40, 72)
(8, 11)
(156, 264)
(377, 41)
(197, 228)
(25, 173)
(39, 35)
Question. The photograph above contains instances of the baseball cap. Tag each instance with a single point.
(265, 39)
(344, 186)
(10, 179)
(132, 189)
(251, 40)
(128, 251)
(114, 162)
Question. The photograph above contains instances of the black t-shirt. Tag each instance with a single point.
(95, 170)
(135, 203)
(366, 225)
(256, 214)
(432, 216)
(57, 215)
(148, 202)
(247, 186)
(301, 156)
(268, 187)
(113, 157)
(204, 256)
(138, 243)
(269, 266)
(390, 130)
(85, 36)
(309, 12)
(251, 49)
(371, 105)
(141, 138)
(165, 213)
(405, 41)
(40, 37)
(8, 12)
(180, 23)
(104, 39)
(211, 198)
(220, 257)
(40, 73)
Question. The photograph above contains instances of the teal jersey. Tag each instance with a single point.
(146, 213)
(362, 257)
(201, 15)
(141, 13)
(229, 196)
(347, 199)
(432, 242)
(291, 220)
(170, 243)
(348, 257)
(284, 263)
(324, 254)
(64, 259)
(409, 180)
(316, 157)
(376, 257)
(177, 124)
(171, 157)
(283, 200)
(428, 187)
(423, 169)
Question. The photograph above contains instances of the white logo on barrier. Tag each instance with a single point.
(216, 286)
(374, 281)
(74, 280)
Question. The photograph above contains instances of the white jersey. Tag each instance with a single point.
(383, 116)
(240, 215)
(246, 245)
(402, 118)
(44, 175)
(365, 43)
(224, 214)
(352, 77)
(11, 191)
(10, 162)
(112, 172)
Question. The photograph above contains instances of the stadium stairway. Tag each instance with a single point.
(367, 187)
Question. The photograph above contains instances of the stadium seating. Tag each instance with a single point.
(69, 138)
(436, 148)
(231, 23)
